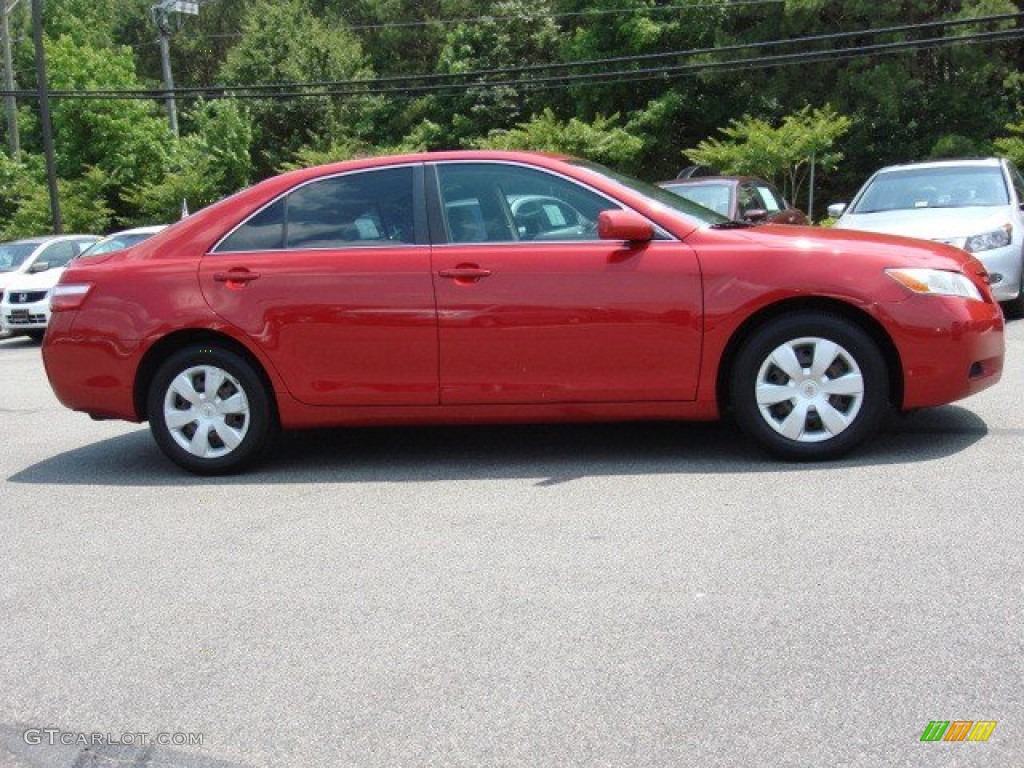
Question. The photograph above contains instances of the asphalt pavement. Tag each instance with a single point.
(602, 595)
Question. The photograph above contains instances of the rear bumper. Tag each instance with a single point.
(95, 375)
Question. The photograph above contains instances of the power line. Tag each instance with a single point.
(627, 75)
(416, 86)
(417, 83)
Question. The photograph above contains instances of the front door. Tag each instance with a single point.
(534, 308)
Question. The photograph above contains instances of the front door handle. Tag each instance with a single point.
(465, 273)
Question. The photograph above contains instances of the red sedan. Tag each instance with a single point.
(509, 287)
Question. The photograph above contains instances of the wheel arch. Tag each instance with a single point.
(181, 339)
(834, 307)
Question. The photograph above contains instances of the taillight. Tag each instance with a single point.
(67, 296)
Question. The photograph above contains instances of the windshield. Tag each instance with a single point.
(13, 255)
(116, 243)
(713, 195)
(949, 187)
(668, 199)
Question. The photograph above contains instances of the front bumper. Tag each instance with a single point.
(949, 348)
(1004, 267)
(25, 317)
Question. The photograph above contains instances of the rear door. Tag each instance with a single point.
(332, 281)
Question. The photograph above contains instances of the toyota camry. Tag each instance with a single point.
(487, 287)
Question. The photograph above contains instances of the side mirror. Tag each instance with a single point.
(755, 214)
(39, 266)
(836, 210)
(624, 225)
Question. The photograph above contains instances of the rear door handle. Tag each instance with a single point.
(236, 276)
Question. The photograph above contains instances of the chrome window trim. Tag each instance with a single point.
(215, 252)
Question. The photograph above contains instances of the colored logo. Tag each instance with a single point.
(958, 730)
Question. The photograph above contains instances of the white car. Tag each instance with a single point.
(21, 261)
(25, 306)
(972, 204)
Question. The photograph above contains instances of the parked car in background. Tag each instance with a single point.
(476, 287)
(741, 198)
(22, 264)
(25, 303)
(972, 204)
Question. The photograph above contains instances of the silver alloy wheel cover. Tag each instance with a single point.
(209, 417)
(812, 405)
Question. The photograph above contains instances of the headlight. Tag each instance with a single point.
(997, 238)
(936, 282)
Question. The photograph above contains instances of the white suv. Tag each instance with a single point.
(25, 306)
(972, 204)
(28, 269)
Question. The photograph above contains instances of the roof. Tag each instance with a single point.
(963, 162)
(46, 239)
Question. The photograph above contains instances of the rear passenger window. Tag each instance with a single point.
(356, 209)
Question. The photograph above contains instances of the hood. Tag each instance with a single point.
(930, 223)
(843, 245)
(40, 281)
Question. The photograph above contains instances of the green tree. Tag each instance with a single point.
(284, 42)
(603, 140)
(128, 140)
(781, 154)
(1012, 145)
(82, 207)
(210, 162)
(515, 33)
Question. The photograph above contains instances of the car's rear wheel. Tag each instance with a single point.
(209, 411)
(809, 386)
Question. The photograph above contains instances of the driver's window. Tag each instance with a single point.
(494, 202)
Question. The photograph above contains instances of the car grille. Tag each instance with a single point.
(24, 318)
(25, 297)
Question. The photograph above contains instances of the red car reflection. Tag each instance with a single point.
(509, 287)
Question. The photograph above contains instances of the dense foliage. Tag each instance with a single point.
(645, 85)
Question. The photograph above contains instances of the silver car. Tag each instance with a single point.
(972, 204)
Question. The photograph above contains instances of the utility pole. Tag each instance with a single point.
(162, 18)
(44, 114)
(13, 139)
(810, 192)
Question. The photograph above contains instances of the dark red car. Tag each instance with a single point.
(509, 287)
(742, 198)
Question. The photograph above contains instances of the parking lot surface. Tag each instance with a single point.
(602, 595)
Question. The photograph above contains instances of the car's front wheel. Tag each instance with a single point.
(209, 411)
(809, 386)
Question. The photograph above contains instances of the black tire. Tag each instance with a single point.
(35, 334)
(239, 411)
(826, 416)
